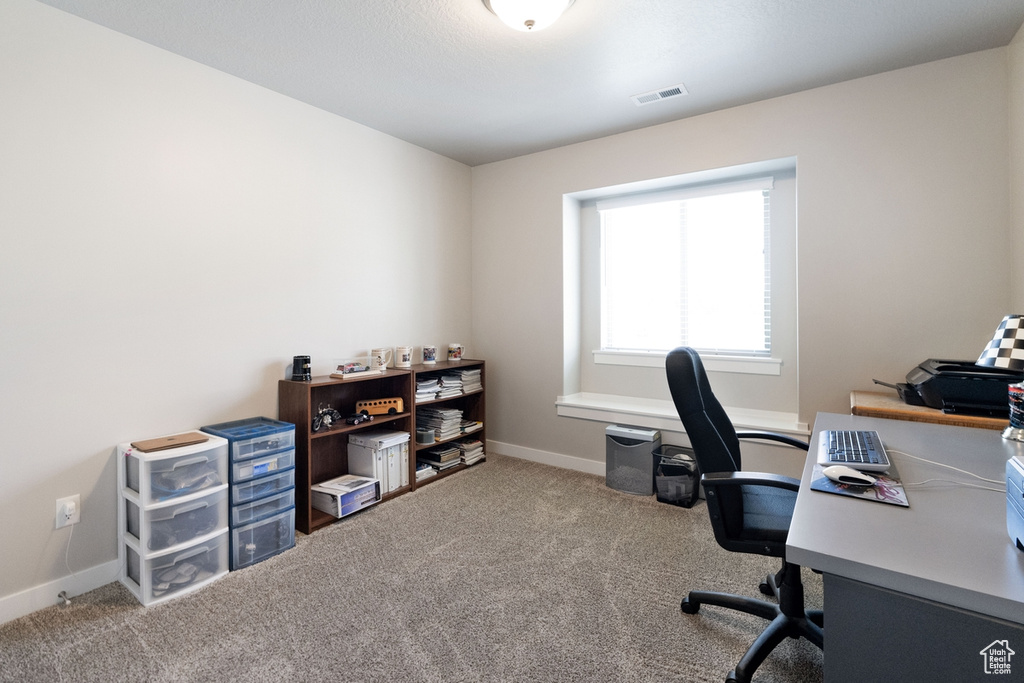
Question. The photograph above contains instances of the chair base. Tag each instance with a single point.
(788, 618)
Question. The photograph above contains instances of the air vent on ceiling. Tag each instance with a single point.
(658, 95)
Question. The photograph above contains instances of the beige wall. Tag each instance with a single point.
(171, 237)
(902, 218)
(1016, 61)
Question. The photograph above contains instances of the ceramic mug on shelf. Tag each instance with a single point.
(455, 351)
(380, 359)
(429, 354)
(403, 356)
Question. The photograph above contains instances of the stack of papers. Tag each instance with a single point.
(426, 389)
(446, 422)
(451, 385)
(471, 451)
(471, 380)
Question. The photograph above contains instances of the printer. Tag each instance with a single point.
(960, 386)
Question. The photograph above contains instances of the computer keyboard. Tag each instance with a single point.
(859, 449)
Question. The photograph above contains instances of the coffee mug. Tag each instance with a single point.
(403, 356)
(380, 359)
(429, 354)
(455, 351)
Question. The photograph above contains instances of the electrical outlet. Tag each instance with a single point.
(69, 510)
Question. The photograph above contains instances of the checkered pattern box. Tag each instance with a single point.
(1006, 350)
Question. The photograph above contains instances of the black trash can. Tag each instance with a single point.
(676, 476)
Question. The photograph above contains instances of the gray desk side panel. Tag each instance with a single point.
(872, 634)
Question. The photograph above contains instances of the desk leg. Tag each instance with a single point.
(874, 634)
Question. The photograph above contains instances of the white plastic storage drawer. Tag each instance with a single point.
(255, 489)
(262, 508)
(255, 542)
(258, 467)
(161, 475)
(171, 574)
(177, 521)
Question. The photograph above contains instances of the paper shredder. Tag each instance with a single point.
(629, 465)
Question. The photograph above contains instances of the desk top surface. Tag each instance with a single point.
(950, 545)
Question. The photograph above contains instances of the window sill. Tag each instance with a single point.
(656, 359)
(659, 414)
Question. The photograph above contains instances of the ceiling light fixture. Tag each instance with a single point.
(528, 15)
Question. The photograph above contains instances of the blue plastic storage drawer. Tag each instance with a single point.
(262, 508)
(256, 542)
(254, 489)
(255, 436)
(262, 466)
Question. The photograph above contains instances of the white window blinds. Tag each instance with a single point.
(688, 266)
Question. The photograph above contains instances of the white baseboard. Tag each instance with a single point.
(45, 595)
(568, 462)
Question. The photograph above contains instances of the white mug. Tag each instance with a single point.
(429, 354)
(380, 359)
(455, 351)
(403, 356)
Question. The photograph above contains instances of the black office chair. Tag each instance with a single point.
(750, 513)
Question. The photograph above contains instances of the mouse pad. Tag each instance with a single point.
(887, 489)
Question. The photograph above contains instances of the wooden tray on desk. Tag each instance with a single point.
(890, 407)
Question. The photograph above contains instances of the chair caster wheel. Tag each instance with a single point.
(689, 607)
(733, 678)
(765, 589)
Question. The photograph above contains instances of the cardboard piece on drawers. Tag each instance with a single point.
(173, 441)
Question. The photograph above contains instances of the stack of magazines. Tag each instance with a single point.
(446, 422)
(451, 385)
(472, 451)
(471, 380)
(426, 389)
(440, 458)
(424, 470)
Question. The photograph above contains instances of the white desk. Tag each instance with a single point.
(915, 588)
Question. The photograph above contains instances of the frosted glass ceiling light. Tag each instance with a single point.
(528, 15)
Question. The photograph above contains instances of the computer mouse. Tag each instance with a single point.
(847, 475)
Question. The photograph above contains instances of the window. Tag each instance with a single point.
(689, 266)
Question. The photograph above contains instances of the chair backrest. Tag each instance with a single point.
(748, 518)
(712, 436)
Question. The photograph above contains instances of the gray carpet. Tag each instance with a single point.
(508, 571)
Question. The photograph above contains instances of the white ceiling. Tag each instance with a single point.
(447, 75)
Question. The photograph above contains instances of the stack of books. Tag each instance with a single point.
(440, 458)
(446, 422)
(451, 385)
(426, 389)
(471, 380)
(472, 451)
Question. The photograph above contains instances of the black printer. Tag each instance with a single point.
(960, 386)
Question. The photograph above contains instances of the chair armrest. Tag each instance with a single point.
(778, 481)
(772, 436)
